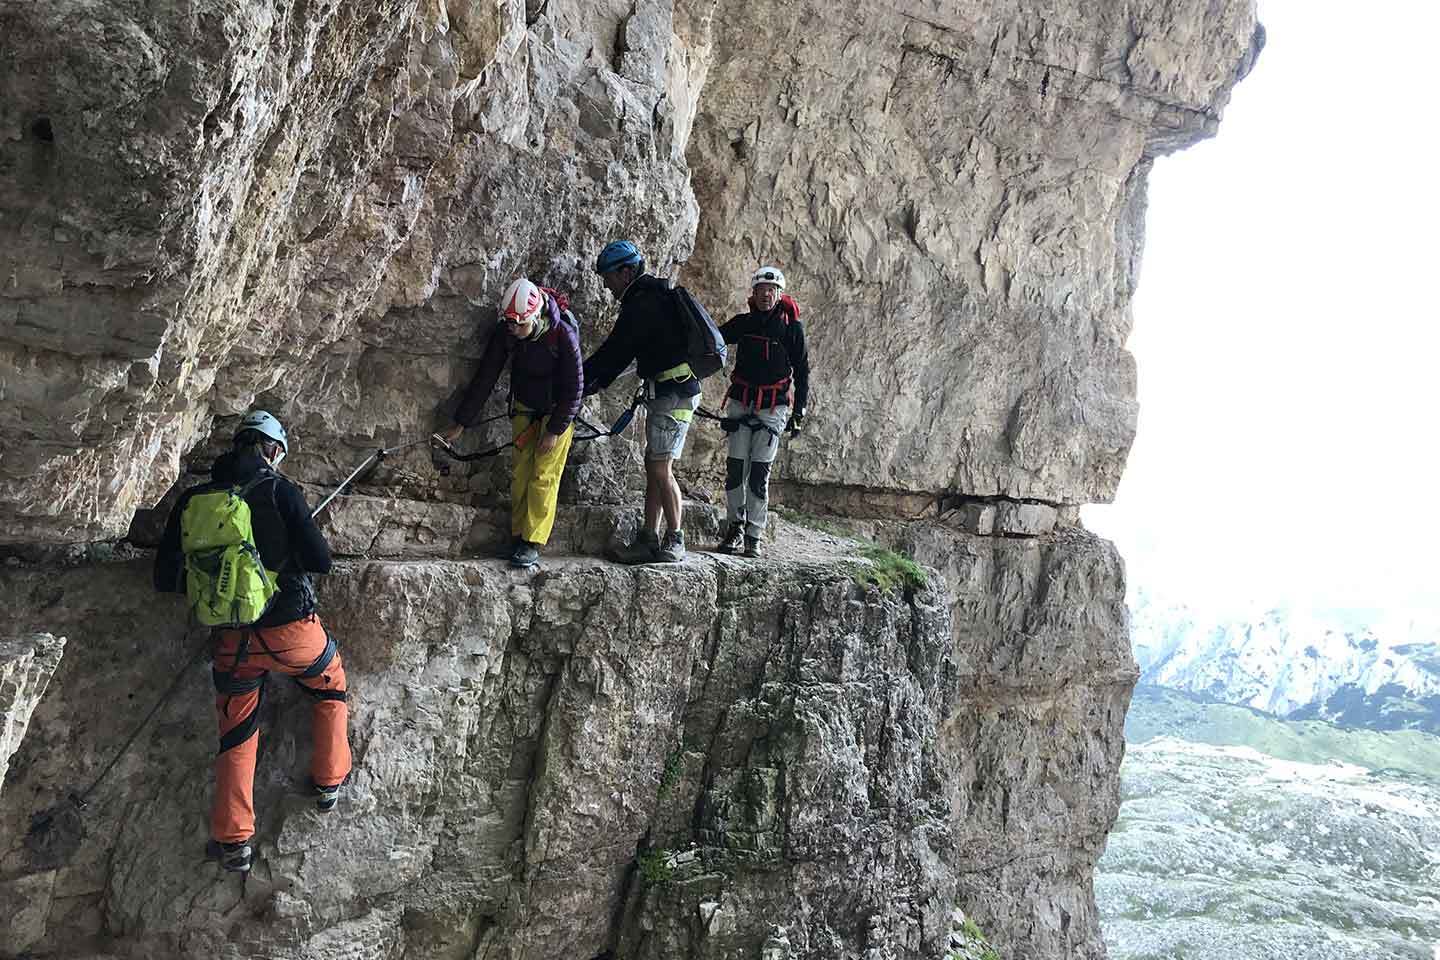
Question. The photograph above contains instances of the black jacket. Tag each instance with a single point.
(649, 332)
(289, 542)
(757, 361)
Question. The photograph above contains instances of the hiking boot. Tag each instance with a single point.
(235, 857)
(673, 550)
(326, 797)
(730, 542)
(644, 549)
(752, 546)
(524, 555)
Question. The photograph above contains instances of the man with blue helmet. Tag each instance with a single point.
(649, 334)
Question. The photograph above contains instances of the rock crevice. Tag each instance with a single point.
(602, 742)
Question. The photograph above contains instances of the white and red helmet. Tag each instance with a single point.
(522, 302)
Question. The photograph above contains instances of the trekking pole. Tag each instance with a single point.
(41, 822)
(373, 460)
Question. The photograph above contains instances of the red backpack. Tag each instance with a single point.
(561, 314)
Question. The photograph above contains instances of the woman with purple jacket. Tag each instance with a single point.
(541, 342)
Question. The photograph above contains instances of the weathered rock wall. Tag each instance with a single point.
(956, 193)
(659, 762)
(26, 665)
(294, 205)
(300, 205)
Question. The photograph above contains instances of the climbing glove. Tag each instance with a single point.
(797, 420)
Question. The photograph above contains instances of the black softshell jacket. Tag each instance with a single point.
(647, 333)
(289, 542)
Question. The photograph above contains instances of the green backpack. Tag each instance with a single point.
(225, 580)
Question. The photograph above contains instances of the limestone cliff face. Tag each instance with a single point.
(654, 762)
(957, 192)
(295, 204)
(26, 665)
(313, 206)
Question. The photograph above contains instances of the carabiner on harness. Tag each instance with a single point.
(445, 446)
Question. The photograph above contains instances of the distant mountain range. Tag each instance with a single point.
(1378, 671)
(1244, 837)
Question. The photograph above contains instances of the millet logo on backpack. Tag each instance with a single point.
(226, 582)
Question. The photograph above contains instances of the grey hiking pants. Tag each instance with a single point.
(747, 467)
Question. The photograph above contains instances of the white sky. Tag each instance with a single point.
(1286, 329)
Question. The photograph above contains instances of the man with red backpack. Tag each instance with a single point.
(541, 343)
(770, 362)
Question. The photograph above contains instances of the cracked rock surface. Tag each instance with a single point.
(311, 207)
(956, 192)
(663, 761)
(26, 665)
(295, 205)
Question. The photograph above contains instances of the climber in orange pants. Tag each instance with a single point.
(287, 637)
(304, 650)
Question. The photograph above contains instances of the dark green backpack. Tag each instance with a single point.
(225, 580)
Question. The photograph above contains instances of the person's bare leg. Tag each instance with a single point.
(670, 497)
(657, 486)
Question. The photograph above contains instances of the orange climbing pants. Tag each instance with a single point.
(303, 650)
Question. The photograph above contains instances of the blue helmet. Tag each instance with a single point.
(617, 254)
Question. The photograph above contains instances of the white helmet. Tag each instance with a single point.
(522, 301)
(267, 426)
(768, 275)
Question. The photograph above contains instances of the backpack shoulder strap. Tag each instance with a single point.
(264, 476)
(789, 308)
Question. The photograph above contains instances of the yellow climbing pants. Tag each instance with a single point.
(535, 483)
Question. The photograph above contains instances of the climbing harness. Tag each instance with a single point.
(762, 394)
(730, 424)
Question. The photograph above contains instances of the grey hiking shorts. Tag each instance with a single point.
(667, 420)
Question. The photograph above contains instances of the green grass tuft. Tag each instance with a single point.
(890, 571)
(976, 948)
(655, 866)
(670, 773)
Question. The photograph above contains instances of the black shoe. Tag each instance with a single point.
(524, 556)
(326, 797)
(730, 542)
(752, 546)
(673, 550)
(643, 550)
(235, 857)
